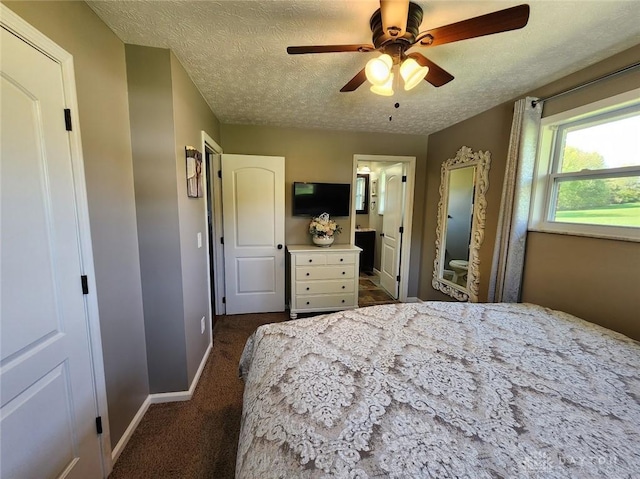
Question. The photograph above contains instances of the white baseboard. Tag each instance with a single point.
(182, 395)
(155, 399)
(413, 299)
(115, 453)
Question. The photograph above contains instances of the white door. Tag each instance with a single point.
(48, 399)
(253, 219)
(391, 227)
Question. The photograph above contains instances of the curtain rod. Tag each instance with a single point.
(590, 82)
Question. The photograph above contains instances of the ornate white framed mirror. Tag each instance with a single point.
(461, 219)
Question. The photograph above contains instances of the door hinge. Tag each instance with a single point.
(219, 173)
(67, 119)
(398, 278)
(85, 284)
(224, 300)
(404, 178)
(221, 239)
(99, 424)
(402, 229)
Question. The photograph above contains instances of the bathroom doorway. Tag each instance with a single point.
(386, 252)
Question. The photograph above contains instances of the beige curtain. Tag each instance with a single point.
(508, 258)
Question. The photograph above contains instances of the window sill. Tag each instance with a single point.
(616, 233)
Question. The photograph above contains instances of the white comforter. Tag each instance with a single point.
(440, 390)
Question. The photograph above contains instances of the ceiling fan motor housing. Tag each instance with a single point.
(381, 38)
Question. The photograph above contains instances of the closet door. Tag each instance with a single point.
(48, 409)
(253, 219)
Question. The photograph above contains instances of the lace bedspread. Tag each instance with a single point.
(440, 390)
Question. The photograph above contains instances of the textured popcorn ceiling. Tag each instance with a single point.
(235, 52)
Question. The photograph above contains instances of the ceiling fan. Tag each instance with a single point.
(395, 27)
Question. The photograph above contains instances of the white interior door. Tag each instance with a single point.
(48, 399)
(391, 224)
(253, 219)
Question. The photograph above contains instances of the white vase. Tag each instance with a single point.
(323, 241)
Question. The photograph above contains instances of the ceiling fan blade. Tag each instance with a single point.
(394, 15)
(355, 82)
(329, 49)
(496, 22)
(437, 76)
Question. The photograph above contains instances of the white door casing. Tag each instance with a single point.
(391, 224)
(51, 363)
(215, 194)
(253, 219)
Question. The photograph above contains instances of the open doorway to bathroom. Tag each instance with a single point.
(383, 201)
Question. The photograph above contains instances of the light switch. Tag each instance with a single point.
(199, 240)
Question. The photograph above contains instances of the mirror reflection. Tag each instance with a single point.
(460, 227)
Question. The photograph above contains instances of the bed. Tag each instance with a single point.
(443, 390)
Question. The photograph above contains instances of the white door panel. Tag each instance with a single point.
(391, 223)
(256, 275)
(253, 188)
(253, 218)
(32, 411)
(48, 401)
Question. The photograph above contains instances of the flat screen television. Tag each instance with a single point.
(312, 199)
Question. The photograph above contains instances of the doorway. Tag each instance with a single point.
(213, 194)
(387, 222)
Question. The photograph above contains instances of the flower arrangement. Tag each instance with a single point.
(322, 226)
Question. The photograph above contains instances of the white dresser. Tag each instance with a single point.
(323, 279)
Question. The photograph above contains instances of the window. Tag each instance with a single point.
(381, 192)
(588, 171)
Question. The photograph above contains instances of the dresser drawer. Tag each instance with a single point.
(325, 301)
(324, 272)
(311, 259)
(341, 259)
(317, 287)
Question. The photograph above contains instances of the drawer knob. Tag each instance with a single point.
(344, 272)
(343, 300)
(341, 259)
(307, 274)
(310, 261)
(342, 287)
(307, 288)
(307, 302)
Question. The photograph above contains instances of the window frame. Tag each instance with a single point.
(547, 178)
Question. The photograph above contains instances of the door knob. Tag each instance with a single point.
(279, 246)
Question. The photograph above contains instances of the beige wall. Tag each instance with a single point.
(152, 134)
(327, 156)
(598, 280)
(595, 279)
(104, 120)
(167, 115)
(191, 115)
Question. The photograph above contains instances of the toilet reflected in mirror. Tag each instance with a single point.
(460, 228)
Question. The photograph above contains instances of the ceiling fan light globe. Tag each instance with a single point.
(412, 73)
(384, 90)
(378, 69)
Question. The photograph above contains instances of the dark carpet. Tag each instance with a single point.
(197, 438)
